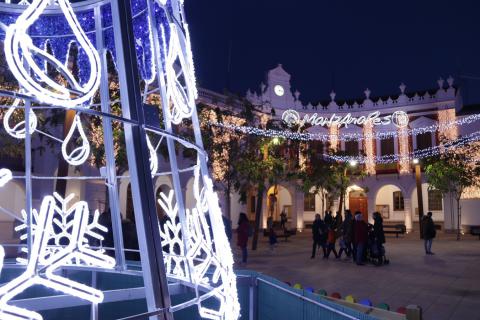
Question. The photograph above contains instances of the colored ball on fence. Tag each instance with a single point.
(365, 302)
(322, 292)
(297, 286)
(288, 283)
(336, 295)
(383, 306)
(309, 289)
(350, 298)
(402, 310)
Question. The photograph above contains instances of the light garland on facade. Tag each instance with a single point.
(419, 154)
(443, 126)
(404, 162)
(334, 134)
(369, 149)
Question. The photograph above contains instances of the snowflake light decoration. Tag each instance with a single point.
(201, 261)
(63, 224)
(44, 263)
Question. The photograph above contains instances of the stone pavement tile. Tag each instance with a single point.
(440, 312)
(425, 300)
(466, 310)
(451, 275)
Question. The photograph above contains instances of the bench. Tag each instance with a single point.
(395, 229)
(475, 231)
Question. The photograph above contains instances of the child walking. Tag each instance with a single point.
(331, 242)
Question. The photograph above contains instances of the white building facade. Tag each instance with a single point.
(389, 188)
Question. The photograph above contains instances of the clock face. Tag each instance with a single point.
(279, 91)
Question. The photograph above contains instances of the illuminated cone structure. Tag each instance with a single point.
(195, 251)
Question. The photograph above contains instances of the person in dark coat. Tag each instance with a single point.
(429, 232)
(378, 228)
(328, 218)
(242, 235)
(337, 221)
(360, 234)
(319, 239)
(378, 234)
(347, 232)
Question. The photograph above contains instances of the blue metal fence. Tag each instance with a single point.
(261, 297)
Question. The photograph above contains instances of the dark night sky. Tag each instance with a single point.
(347, 45)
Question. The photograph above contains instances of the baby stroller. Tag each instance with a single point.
(375, 251)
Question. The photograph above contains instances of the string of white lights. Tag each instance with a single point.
(419, 154)
(358, 136)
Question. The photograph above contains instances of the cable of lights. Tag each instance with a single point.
(357, 136)
(419, 154)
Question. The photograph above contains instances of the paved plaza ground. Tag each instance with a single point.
(446, 285)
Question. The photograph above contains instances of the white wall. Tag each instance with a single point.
(284, 198)
(470, 213)
(12, 198)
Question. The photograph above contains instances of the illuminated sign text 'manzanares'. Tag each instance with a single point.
(292, 118)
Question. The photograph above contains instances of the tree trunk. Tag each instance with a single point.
(340, 204)
(458, 218)
(452, 214)
(258, 216)
(323, 203)
(228, 201)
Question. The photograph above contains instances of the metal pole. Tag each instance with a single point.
(418, 180)
(112, 184)
(94, 310)
(148, 230)
(28, 176)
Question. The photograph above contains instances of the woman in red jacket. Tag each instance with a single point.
(360, 237)
(242, 235)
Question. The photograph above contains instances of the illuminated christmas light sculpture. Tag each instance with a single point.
(43, 263)
(39, 36)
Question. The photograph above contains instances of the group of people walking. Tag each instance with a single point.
(355, 237)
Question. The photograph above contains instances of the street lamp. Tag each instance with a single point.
(418, 180)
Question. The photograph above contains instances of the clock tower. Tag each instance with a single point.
(278, 90)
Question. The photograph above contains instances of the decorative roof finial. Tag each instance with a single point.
(367, 93)
(332, 95)
(262, 87)
(297, 94)
(440, 82)
(450, 81)
(402, 88)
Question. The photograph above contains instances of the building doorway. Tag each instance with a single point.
(278, 199)
(358, 201)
